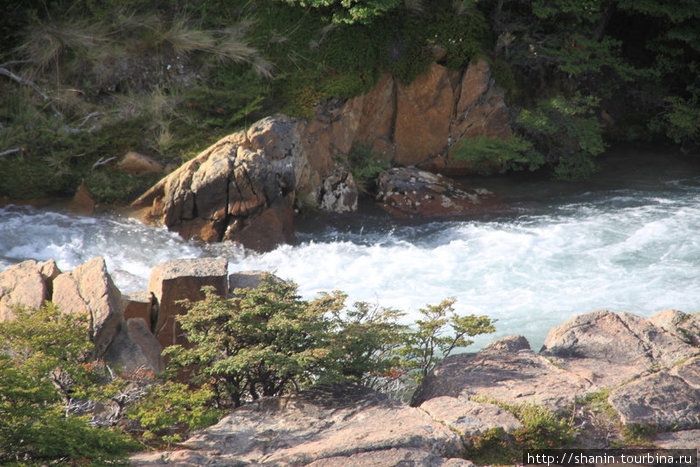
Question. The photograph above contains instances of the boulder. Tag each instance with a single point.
(248, 279)
(134, 163)
(139, 305)
(27, 284)
(318, 424)
(134, 349)
(423, 114)
(339, 192)
(470, 418)
(503, 373)
(89, 289)
(244, 182)
(410, 191)
(182, 279)
(82, 202)
(668, 399)
(609, 349)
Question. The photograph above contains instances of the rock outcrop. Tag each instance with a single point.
(183, 279)
(315, 426)
(503, 373)
(410, 191)
(244, 187)
(86, 289)
(28, 284)
(89, 289)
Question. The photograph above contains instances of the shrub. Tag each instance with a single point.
(488, 155)
(263, 343)
(267, 341)
(365, 166)
(44, 370)
(567, 132)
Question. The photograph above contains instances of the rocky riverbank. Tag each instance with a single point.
(622, 380)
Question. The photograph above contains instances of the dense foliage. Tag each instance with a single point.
(47, 375)
(268, 341)
(57, 402)
(82, 82)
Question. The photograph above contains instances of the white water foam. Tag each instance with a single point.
(623, 251)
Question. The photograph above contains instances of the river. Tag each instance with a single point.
(629, 240)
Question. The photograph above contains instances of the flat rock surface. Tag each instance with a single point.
(315, 425)
(501, 374)
(611, 348)
(668, 399)
(470, 418)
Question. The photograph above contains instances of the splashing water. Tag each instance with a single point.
(532, 267)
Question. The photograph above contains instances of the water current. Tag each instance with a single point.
(629, 240)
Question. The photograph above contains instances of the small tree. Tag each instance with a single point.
(430, 341)
(261, 343)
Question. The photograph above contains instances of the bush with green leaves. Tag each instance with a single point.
(267, 341)
(567, 132)
(437, 334)
(489, 155)
(46, 370)
(365, 166)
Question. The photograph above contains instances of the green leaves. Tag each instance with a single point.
(489, 155)
(44, 365)
(431, 341)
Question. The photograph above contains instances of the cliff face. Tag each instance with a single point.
(244, 187)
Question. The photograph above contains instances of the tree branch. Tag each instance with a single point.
(10, 151)
(14, 77)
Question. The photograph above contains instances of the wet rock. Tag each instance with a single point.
(410, 191)
(470, 418)
(339, 192)
(319, 424)
(134, 163)
(500, 374)
(611, 348)
(89, 289)
(27, 284)
(183, 279)
(668, 399)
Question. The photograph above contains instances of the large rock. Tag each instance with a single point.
(134, 349)
(324, 423)
(410, 191)
(183, 279)
(504, 373)
(668, 399)
(609, 349)
(423, 114)
(27, 284)
(89, 289)
(222, 192)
